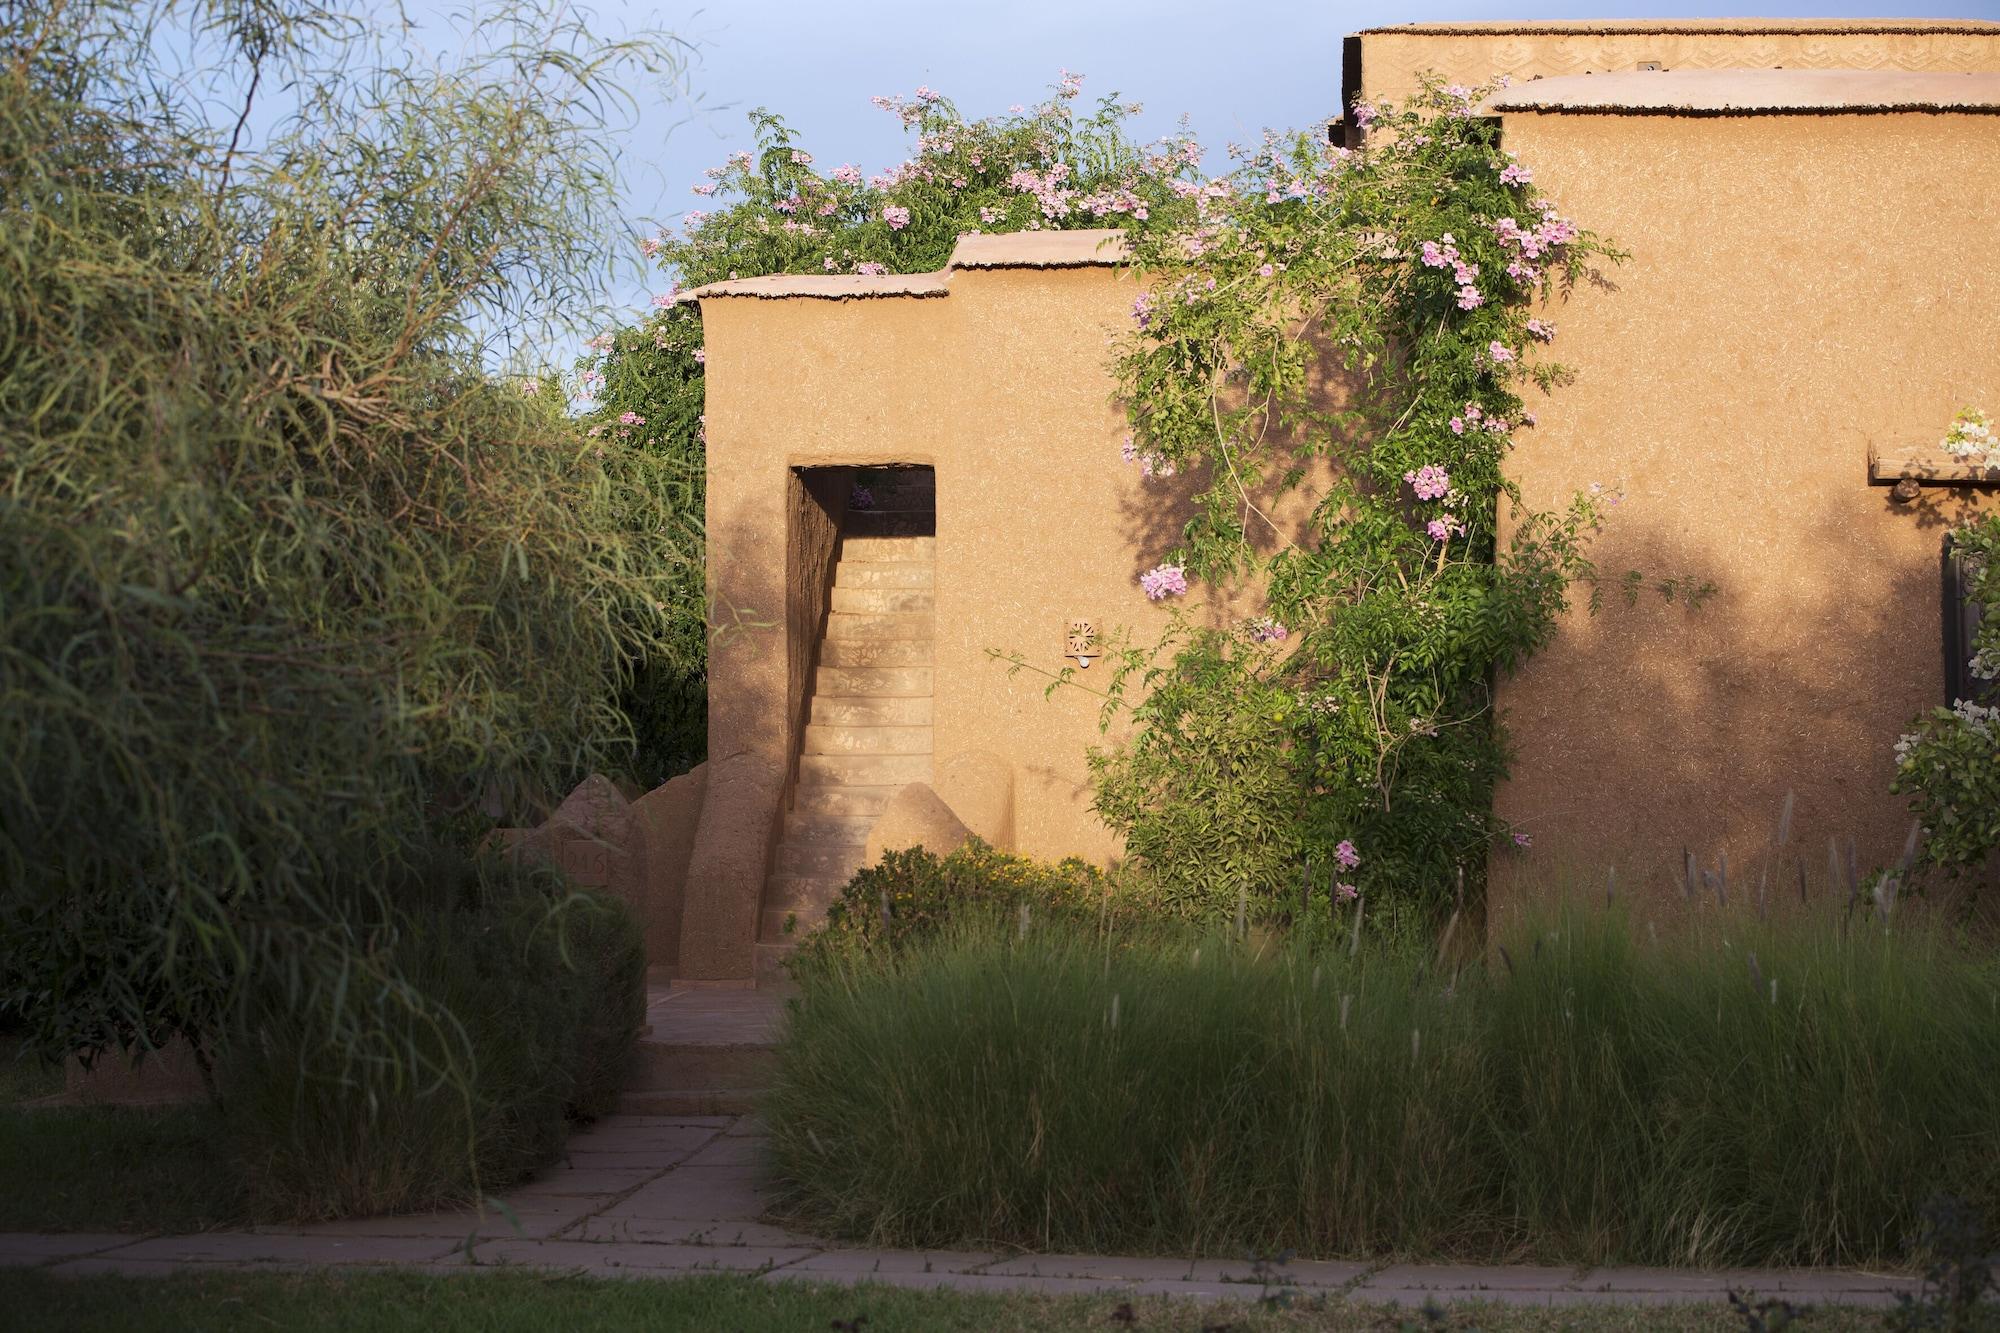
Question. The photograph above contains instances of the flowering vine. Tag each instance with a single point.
(1356, 712)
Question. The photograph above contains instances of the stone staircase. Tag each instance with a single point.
(868, 731)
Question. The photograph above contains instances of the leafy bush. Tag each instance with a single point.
(539, 991)
(1949, 765)
(1772, 1095)
(912, 895)
(291, 585)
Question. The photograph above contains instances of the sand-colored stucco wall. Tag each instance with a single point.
(1391, 59)
(1002, 387)
(1799, 287)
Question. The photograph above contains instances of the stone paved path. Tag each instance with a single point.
(660, 1196)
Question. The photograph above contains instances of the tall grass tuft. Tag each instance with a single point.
(538, 990)
(1774, 1095)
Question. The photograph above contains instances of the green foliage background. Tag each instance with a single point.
(292, 589)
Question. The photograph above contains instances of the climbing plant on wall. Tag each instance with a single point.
(779, 209)
(1359, 329)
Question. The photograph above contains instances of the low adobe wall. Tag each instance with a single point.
(1803, 284)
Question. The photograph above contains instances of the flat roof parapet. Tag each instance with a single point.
(1098, 247)
(1748, 26)
(1751, 92)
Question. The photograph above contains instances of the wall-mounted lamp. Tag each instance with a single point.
(1081, 643)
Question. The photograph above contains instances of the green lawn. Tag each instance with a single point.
(73, 1168)
(115, 1169)
(369, 1303)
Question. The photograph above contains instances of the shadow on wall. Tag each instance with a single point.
(1652, 731)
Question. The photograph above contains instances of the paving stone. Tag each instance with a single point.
(245, 1247)
(1678, 1281)
(690, 1121)
(642, 1138)
(702, 1193)
(1315, 1273)
(990, 1282)
(1470, 1277)
(687, 1231)
(739, 1151)
(18, 1248)
(538, 1216)
(597, 1256)
(869, 1263)
(1098, 1266)
(111, 1265)
(599, 1181)
(657, 1159)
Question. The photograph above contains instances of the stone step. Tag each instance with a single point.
(865, 770)
(771, 962)
(814, 826)
(850, 574)
(881, 601)
(683, 1067)
(914, 625)
(801, 899)
(827, 739)
(843, 799)
(838, 861)
(880, 522)
(871, 550)
(876, 653)
(865, 712)
(872, 682)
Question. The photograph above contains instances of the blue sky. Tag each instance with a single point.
(1233, 67)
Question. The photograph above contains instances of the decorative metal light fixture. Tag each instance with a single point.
(1081, 643)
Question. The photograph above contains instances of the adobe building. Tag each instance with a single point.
(1813, 215)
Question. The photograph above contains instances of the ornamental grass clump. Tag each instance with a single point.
(1747, 1094)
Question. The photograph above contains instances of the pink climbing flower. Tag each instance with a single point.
(1515, 174)
(631, 419)
(1542, 330)
(1164, 580)
(1346, 855)
(1364, 114)
(1523, 840)
(1345, 893)
(662, 300)
(871, 269)
(897, 218)
(1500, 352)
(701, 356)
(847, 174)
(1430, 481)
(1469, 298)
(1269, 630)
(1438, 529)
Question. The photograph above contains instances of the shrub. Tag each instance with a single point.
(1766, 1096)
(912, 895)
(1949, 764)
(538, 992)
